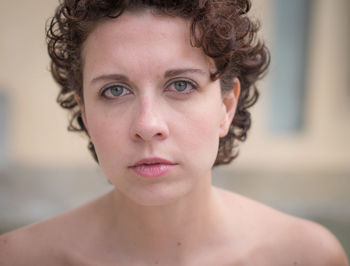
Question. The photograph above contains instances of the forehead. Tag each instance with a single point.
(137, 40)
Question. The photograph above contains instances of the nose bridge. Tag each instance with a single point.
(148, 121)
(147, 110)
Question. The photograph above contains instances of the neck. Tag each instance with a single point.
(173, 230)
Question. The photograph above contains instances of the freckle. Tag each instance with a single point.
(179, 244)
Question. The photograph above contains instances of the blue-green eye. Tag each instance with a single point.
(182, 86)
(115, 91)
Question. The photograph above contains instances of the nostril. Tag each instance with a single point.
(148, 129)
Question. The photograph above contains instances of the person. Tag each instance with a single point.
(162, 90)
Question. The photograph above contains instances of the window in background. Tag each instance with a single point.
(289, 65)
(4, 123)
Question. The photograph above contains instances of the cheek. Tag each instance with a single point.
(106, 134)
(200, 133)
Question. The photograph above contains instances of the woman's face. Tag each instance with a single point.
(151, 110)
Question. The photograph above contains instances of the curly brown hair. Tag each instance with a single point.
(220, 27)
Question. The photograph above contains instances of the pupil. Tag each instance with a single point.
(116, 91)
(180, 85)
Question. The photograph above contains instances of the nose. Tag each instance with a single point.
(148, 123)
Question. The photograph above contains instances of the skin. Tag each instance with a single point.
(179, 218)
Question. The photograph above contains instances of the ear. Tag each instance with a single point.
(230, 100)
(82, 109)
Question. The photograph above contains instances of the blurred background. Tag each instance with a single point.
(296, 158)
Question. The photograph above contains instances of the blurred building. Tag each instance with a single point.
(296, 158)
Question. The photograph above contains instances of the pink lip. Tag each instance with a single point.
(152, 167)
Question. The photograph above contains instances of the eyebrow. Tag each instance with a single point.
(168, 74)
(119, 77)
(180, 71)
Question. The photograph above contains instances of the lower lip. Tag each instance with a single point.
(154, 170)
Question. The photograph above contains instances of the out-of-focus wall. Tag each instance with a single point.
(37, 126)
(323, 142)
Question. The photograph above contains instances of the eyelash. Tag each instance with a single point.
(109, 87)
(190, 83)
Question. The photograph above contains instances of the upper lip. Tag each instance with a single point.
(153, 160)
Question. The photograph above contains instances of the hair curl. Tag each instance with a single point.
(220, 27)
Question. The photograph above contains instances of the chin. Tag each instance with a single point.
(158, 193)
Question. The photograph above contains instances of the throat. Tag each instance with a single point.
(162, 228)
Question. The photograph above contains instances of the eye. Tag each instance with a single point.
(114, 91)
(182, 86)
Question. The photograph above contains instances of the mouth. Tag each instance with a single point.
(152, 161)
(152, 167)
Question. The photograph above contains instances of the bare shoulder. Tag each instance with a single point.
(31, 245)
(276, 238)
(313, 243)
(56, 241)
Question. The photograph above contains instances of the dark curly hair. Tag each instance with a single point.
(220, 27)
